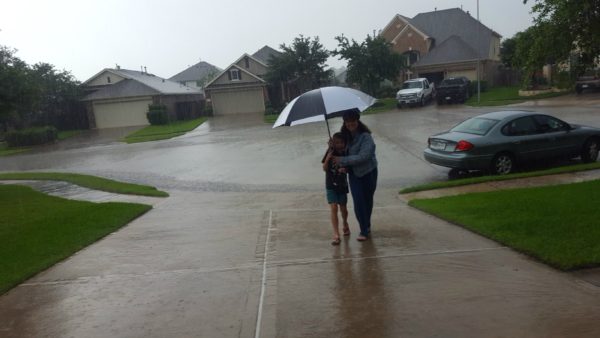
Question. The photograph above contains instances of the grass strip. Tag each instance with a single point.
(163, 132)
(483, 179)
(500, 96)
(555, 224)
(88, 181)
(5, 150)
(382, 105)
(37, 230)
(271, 118)
(65, 134)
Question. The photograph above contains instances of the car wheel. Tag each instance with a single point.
(422, 101)
(399, 105)
(590, 151)
(440, 102)
(578, 90)
(502, 164)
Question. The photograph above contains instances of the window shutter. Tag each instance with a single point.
(229, 74)
(239, 74)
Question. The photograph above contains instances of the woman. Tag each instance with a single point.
(363, 169)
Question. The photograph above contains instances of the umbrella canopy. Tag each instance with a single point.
(322, 104)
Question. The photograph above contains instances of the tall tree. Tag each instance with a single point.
(302, 63)
(369, 62)
(570, 26)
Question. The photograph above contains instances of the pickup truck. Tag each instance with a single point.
(587, 82)
(453, 89)
(415, 91)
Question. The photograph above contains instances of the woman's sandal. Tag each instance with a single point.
(362, 238)
(346, 231)
(336, 241)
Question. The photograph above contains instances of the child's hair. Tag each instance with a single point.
(339, 136)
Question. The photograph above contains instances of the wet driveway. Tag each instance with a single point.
(241, 248)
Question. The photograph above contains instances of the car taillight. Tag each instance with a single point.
(463, 145)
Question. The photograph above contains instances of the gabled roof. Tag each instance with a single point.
(234, 65)
(453, 49)
(442, 24)
(196, 72)
(137, 84)
(265, 53)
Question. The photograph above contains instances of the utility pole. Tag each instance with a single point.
(478, 58)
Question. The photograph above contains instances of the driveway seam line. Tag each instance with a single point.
(264, 278)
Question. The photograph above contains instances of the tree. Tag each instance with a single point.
(302, 64)
(569, 26)
(369, 62)
(507, 51)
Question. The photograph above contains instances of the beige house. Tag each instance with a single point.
(444, 43)
(241, 87)
(120, 98)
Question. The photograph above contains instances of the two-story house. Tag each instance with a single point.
(196, 76)
(241, 87)
(444, 43)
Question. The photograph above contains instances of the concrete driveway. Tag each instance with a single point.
(241, 248)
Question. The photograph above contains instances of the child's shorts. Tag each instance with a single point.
(333, 196)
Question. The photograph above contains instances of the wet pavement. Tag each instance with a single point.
(241, 247)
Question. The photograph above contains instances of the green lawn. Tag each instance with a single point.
(271, 118)
(382, 105)
(162, 132)
(500, 96)
(37, 230)
(5, 150)
(65, 134)
(483, 179)
(92, 182)
(557, 225)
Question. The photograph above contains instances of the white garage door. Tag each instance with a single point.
(247, 101)
(121, 114)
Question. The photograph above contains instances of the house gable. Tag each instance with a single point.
(105, 77)
(394, 27)
(252, 65)
(225, 77)
(411, 39)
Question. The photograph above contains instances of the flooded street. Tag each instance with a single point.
(241, 247)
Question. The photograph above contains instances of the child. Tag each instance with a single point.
(336, 184)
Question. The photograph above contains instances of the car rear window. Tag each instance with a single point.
(476, 125)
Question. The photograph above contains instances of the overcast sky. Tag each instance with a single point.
(85, 36)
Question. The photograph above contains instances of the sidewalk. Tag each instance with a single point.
(260, 265)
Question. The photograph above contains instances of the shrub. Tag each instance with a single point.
(157, 114)
(31, 136)
(564, 80)
(387, 91)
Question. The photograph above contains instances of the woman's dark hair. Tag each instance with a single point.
(362, 128)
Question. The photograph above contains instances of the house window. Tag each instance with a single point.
(234, 74)
(108, 79)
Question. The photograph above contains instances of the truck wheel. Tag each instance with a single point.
(423, 101)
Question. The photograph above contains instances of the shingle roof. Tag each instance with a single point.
(443, 24)
(196, 72)
(453, 49)
(138, 84)
(264, 54)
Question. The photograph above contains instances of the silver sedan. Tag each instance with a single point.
(498, 141)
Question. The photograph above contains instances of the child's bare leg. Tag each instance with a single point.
(334, 220)
(344, 211)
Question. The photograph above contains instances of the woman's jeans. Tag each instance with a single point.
(363, 189)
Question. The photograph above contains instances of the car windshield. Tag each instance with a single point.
(452, 82)
(476, 125)
(412, 84)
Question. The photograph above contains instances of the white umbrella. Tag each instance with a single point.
(322, 104)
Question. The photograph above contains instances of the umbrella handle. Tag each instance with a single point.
(328, 131)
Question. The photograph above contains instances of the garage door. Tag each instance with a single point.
(121, 114)
(470, 74)
(246, 101)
